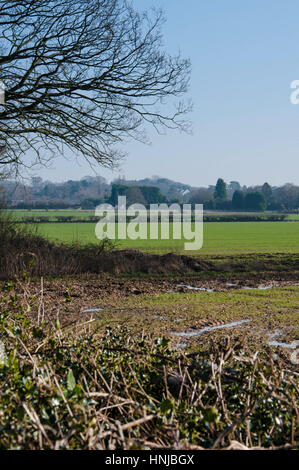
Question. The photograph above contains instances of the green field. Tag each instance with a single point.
(219, 238)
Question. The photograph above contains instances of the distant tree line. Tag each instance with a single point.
(257, 198)
(89, 192)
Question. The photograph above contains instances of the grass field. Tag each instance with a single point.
(219, 238)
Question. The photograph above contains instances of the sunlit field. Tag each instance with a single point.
(219, 238)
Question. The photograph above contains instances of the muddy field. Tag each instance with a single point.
(190, 311)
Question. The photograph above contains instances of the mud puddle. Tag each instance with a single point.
(191, 334)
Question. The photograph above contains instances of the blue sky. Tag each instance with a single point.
(244, 57)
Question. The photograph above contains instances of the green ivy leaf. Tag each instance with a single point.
(71, 382)
(210, 415)
(166, 406)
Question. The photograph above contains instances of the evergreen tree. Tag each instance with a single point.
(220, 190)
(267, 191)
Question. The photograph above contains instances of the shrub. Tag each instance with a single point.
(68, 387)
(22, 248)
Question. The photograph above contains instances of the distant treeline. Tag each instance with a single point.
(206, 218)
(90, 192)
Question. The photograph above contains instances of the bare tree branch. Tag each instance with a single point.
(85, 75)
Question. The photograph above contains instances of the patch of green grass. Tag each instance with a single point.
(267, 310)
(219, 238)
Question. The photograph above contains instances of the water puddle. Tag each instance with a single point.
(275, 333)
(90, 310)
(282, 345)
(196, 288)
(266, 287)
(190, 334)
(259, 287)
(229, 284)
(181, 345)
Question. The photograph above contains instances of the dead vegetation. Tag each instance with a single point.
(75, 388)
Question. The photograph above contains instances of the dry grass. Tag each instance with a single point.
(75, 388)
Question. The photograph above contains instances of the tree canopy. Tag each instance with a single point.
(238, 200)
(255, 200)
(220, 190)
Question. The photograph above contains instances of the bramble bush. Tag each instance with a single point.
(75, 387)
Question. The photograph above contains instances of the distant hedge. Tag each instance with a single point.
(245, 218)
(207, 218)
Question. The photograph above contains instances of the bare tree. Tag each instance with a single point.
(86, 75)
